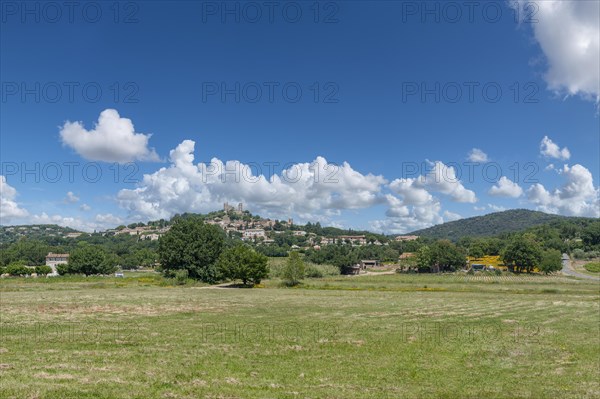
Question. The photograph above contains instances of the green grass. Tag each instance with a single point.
(390, 336)
(593, 267)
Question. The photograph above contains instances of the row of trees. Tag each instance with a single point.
(20, 269)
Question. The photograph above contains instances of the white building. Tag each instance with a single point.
(53, 260)
(253, 233)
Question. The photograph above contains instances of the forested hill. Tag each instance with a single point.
(493, 224)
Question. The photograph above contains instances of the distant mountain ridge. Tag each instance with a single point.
(511, 221)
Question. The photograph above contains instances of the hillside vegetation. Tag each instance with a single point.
(495, 224)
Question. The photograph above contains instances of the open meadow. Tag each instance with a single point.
(387, 336)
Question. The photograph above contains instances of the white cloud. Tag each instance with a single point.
(451, 216)
(99, 223)
(303, 189)
(406, 218)
(496, 208)
(113, 139)
(416, 207)
(506, 188)
(550, 149)
(441, 178)
(9, 208)
(477, 155)
(569, 35)
(85, 207)
(577, 197)
(71, 198)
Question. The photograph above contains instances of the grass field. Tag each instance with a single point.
(386, 336)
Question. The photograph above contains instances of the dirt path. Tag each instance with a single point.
(568, 270)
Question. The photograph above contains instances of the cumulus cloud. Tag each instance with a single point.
(9, 208)
(550, 149)
(477, 155)
(71, 198)
(304, 189)
(441, 178)
(572, 50)
(402, 218)
(506, 188)
(577, 197)
(113, 139)
(98, 223)
(85, 207)
(412, 205)
(451, 216)
(496, 208)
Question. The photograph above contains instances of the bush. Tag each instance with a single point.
(318, 271)
(181, 277)
(62, 269)
(593, 267)
(578, 253)
(581, 254)
(43, 270)
(18, 269)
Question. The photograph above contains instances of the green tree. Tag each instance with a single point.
(193, 246)
(447, 256)
(551, 261)
(89, 259)
(294, 269)
(243, 263)
(425, 258)
(591, 235)
(522, 254)
(477, 251)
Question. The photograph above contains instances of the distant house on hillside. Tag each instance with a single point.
(53, 260)
(357, 240)
(253, 233)
(407, 238)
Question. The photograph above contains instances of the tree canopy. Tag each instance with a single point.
(192, 245)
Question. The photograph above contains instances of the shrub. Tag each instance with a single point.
(318, 271)
(593, 267)
(62, 269)
(18, 269)
(578, 253)
(43, 270)
(181, 277)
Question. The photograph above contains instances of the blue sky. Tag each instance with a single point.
(393, 95)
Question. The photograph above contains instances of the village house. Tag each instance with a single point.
(253, 234)
(407, 238)
(355, 240)
(53, 260)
